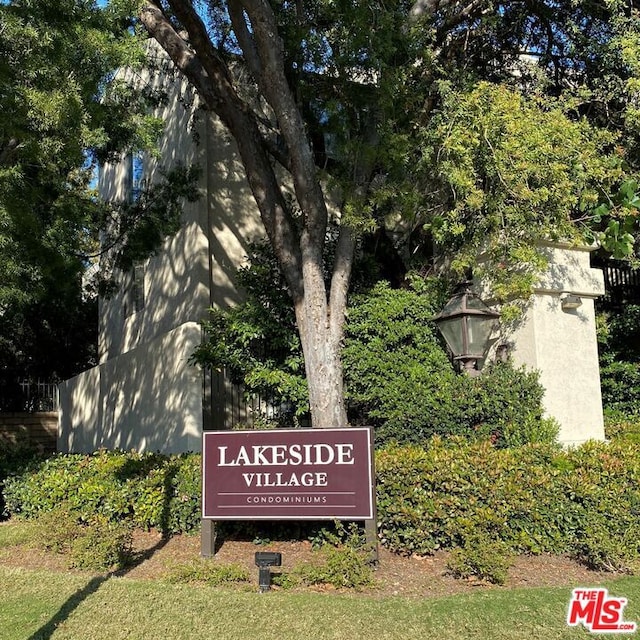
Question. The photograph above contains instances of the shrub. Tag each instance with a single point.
(57, 529)
(536, 498)
(185, 487)
(531, 429)
(149, 490)
(98, 544)
(620, 383)
(400, 380)
(508, 402)
(102, 544)
(15, 457)
(620, 426)
(481, 557)
(339, 533)
(44, 486)
(397, 376)
(600, 550)
(285, 580)
(341, 567)
(619, 333)
(619, 348)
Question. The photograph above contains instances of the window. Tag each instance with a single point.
(136, 175)
(134, 298)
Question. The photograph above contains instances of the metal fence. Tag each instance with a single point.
(40, 395)
(621, 282)
(30, 396)
(229, 406)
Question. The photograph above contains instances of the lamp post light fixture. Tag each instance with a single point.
(466, 323)
(570, 301)
(264, 561)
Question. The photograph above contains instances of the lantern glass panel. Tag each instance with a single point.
(473, 302)
(452, 331)
(479, 330)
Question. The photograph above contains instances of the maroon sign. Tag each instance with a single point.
(288, 474)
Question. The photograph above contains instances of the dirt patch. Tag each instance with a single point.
(415, 577)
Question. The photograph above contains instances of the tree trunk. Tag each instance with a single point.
(320, 315)
(322, 366)
(321, 344)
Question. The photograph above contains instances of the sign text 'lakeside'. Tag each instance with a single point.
(284, 455)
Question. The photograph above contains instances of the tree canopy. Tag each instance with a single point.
(56, 116)
(476, 127)
(61, 110)
(479, 126)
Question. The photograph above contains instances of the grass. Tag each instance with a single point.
(18, 532)
(207, 573)
(37, 605)
(41, 605)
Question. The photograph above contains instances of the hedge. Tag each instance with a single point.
(535, 498)
(151, 490)
(531, 499)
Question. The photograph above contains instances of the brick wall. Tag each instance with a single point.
(37, 429)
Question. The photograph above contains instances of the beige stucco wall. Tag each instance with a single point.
(177, 278)
(143, 395)
(149, 399)
(195, 268)
(233, 218)
(80, 412)
(561, 344)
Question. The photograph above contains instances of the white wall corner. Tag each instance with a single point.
(557, 337)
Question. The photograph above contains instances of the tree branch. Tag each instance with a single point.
(278, 94)
(201, 43)
(9, 152)
(181, 54)
(209, 74)
(460, 16)
(245, 39)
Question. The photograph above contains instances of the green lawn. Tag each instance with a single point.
(41, 605)
(17, 532)
(38, 605)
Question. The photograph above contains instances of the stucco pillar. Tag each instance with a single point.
(557, 336)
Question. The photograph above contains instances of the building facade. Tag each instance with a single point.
(146, 395)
